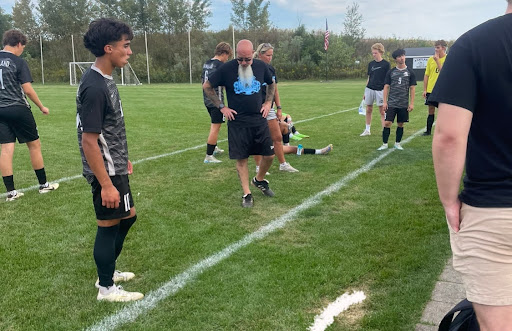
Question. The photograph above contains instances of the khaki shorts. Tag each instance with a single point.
(482, 253)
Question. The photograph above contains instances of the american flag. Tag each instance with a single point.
(326, 38)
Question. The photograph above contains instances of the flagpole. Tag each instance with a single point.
(326, 63)
(326, 47)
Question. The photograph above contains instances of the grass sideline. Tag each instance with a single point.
(384, 233)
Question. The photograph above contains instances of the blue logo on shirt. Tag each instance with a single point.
(247, 89)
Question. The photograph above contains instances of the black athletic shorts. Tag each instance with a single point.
(215, 114)
(254, 140)
(17, 122)
(122, 184)
(427, 103)
(402, 115)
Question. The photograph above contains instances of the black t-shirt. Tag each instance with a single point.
(99, 110)
(209, 68)
(245, 99)
(477, 76)
(377, 72)
(13, 73)
(264, 88)
(399, 81)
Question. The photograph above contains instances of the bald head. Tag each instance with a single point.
(244, 50)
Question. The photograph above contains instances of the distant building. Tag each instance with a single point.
(416, 59)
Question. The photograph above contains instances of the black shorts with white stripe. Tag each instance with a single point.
(122, 184)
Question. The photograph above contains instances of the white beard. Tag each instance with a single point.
(245, 74)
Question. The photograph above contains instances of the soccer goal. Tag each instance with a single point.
(122, 76)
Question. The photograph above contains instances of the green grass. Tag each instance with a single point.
(383, 233)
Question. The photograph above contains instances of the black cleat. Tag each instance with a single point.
(426, 133)
(263, 186)
(247, 201)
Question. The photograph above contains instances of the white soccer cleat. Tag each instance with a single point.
(13, 195)
(383, 147)
(45, 188)
(211, 159)
(287, 167)
(399, 147)
(258, 169)
(217, 150)
(115, 293)
(119, 276)
(365, 133)
(326, 149)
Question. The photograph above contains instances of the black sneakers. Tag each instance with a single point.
(263, 186)
(247, 201)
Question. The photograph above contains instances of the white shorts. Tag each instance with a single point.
(371, 96)
(271, 114)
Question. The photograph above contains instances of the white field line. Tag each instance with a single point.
(335, 308)
(151, 300)
(67, 179)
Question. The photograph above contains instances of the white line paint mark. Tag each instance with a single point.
(67, 179)
(321, 116)
(335, 308)
(151, 300)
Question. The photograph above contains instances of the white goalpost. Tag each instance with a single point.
(122, 76)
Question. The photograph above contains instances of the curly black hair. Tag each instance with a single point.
(104, 31)
(13, 38)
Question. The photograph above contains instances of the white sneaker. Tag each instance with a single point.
(45, 188)
(365, 133)
(217, 150)
(287, 167)
(326, 149)
(13, 195)
(399, 147)
(115, 293)
(258, 169)
(119, 276)
(211, 159)
(383, 147)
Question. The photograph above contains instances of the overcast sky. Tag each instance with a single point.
(429, 19)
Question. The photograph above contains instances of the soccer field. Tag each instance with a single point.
(354, 220)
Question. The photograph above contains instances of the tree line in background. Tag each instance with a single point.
(298, 54)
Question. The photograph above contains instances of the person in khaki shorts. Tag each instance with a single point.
(472, 92)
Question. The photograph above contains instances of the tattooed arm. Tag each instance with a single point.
(268, 100)
(214, 97)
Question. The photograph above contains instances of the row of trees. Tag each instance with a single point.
(299, 54)
(59, 18)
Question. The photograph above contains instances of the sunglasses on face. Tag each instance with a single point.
(242, 59)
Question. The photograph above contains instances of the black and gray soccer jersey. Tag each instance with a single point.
(209, 68)
(13, 73)
(376, 74)
(99, 110)
(399, 81)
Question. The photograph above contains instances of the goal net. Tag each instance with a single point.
(122, 76)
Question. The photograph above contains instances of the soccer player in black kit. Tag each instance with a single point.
(16, 119)
(222, 53)
(104, 150)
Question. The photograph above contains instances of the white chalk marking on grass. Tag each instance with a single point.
(151, 300)
(335, 308)
(67, 179)
(321, 116)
